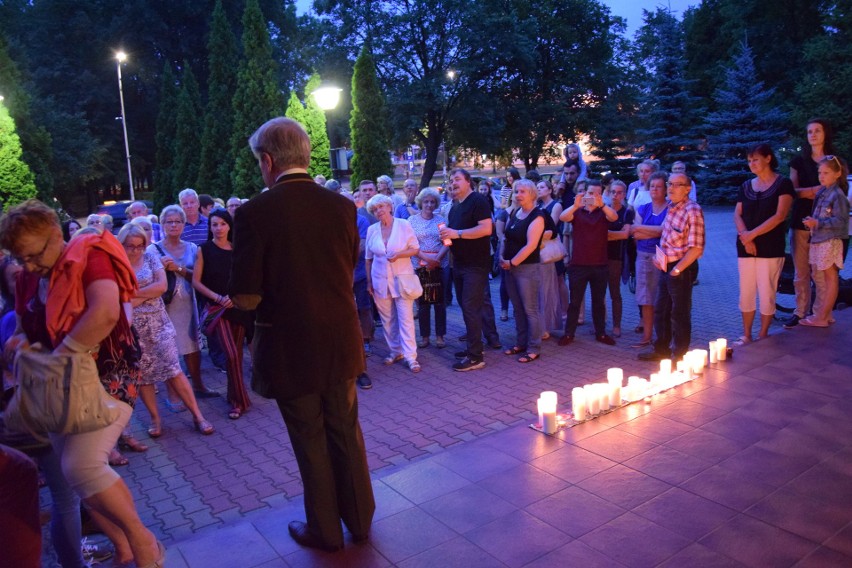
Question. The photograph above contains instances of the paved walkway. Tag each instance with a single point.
(460, 479)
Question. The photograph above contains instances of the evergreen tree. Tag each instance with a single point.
(187, 131)
(745, 117)
(214, 173)
(671, 115)
(295, 109)
(314, 124)
(17, 182)
(257, 98)
(367, 123)
(165, 191)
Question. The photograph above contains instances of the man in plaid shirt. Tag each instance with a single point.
(682, 242)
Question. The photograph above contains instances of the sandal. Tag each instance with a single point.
(393, 359)
(414, 366)
(116, 459)
(545, 336)
(128, 442)
(514, 350)
(529, 357)
(155, 430)
(641, 344)
(204, 427)
(743, 340)
(235, 413)
(440, 343)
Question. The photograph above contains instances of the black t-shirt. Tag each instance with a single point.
(757, 207)
(806, 168)
(516, 236)
(615, 249)
(466, 215)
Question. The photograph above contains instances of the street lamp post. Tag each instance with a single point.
(327, 97)
(120, 58)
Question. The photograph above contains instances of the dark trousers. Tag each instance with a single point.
(504, 294)
(471, 283)
(329, 449)
(425, 311)
(596, 277)
(364, 304)
(614, 285)
(673, 312)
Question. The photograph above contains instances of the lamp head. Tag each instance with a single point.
(120, 56)
(327, 97)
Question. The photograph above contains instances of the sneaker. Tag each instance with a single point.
(367, 350)
(653, 356)
(792, 322)
(469, 364)
(364, 381)
(605, 339)
(461, 354)
(95, 554)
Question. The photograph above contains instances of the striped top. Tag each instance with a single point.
(195, 233)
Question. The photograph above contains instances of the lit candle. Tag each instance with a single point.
(603, 395)
(614, 391)
(722, 346)
(548, 408)
(713, 352)
(550, 395)
(578, 403)
(702, 359)
(615, 376)
(592, 401)
(540, 403)
(665, 367)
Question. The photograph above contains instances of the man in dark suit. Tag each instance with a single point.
(295, 250)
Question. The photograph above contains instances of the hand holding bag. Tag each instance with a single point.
(59, 393)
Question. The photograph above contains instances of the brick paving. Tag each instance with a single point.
(188, 483)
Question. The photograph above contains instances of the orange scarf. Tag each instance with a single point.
(66, 298)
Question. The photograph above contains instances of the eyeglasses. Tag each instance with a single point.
(832, 157)
(32, 258)
(134, 248)
(670, 184)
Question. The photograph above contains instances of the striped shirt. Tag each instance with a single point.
(195, 233)
(683, 229)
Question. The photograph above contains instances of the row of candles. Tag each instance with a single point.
(591, 400)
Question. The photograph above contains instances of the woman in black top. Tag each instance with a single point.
(803, 174)
(520, 259)
(210, 279)
(762, 207)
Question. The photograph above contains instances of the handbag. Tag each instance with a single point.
(432, 283)
(171, 281)
(551, 251)
(409, 286)
(58, 393)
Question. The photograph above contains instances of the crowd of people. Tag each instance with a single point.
(208, 270)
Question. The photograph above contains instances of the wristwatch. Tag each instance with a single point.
(460, 233)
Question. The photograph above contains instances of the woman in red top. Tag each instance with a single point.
(72, 298)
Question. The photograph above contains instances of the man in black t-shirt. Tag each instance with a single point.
(469, 226)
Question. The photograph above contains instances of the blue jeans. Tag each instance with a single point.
(578, 278)
(673, 312)
(523, 283)
(470, 285)
(65, 525)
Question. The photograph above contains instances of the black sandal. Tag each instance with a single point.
(513, 351)
(528, 357)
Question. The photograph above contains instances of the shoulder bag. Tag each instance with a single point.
(58, 393)
(171, 281)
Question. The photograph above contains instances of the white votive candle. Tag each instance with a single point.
(540, 404)
(615, 376)
(702, 359)
(593, 405)
(578, 403)
(614, 391)
(722, 348)
(603, 395)
(550, 396)
(665, 367)
(713, 352)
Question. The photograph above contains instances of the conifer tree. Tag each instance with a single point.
(257, 98)
(745, 117)
(214, 173)
(17, 182)
(315, 126)
(295, 109)
(368, 123)
(165, 191)
(187, 131)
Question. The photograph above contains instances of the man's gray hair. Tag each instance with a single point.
(172, 210)
(379, 199)
(188, 192)
(427, 192)
(333, 185)
(286, 142)
(385, 179)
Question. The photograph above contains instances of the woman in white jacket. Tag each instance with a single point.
(389, 246)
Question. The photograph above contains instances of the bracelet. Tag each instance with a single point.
(74, 345)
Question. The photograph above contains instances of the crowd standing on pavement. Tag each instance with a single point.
(265, 273)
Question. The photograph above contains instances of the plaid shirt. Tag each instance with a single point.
(683, 229)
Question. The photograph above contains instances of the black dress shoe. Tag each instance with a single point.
(300, 533)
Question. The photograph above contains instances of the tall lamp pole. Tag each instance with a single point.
(327, 96)
(120, 58)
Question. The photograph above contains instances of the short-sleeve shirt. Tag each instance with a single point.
(683, 229)
(473, 253)
(646, 212)
(590, 238)
(806, 169)
(615, 249)
(402, 210)
(757, 207)
(195, 233)
(516, 236)
(361, 267)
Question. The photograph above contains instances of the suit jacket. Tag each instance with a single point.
(296, 246)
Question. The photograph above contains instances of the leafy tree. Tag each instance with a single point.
(367, 123)
(214, 171)
(316, 128)
(826, 87)
(670, 114)
(165, 188)
(17, 182)
(745, 117)
(256, 100)
(187, 131)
